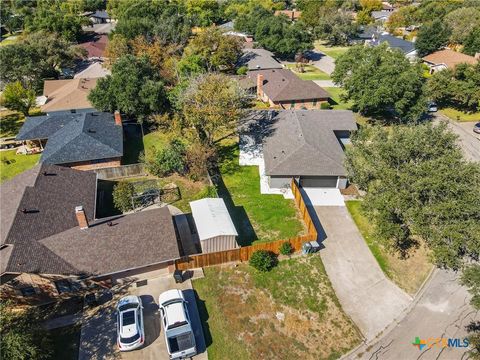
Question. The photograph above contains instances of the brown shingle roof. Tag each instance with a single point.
(67, 94)
(450, 58)
(284, 85)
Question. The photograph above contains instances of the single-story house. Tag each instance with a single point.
(82, 141)
(448, 59)
(51, 243)
(259, 59)
(214, 225)
(94, 69)
(66, 95)
(100, 17)
(96, 46)
(406, 47)
(381, 15)
(292, 15)
(307, 145)
(386, 6)
(282, 88)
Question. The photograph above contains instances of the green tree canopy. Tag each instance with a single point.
(380, 80)
(134, 88)
(213, 103)
(472, 42)
(16, 97)
(462, 21)
(419, 186)
(432, 36)
(458, 88)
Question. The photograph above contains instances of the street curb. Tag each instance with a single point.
(395, 322)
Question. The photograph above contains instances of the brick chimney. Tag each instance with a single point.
(81, 217)
(260, 85)
(118, 118)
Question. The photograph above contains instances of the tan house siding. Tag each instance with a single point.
(88, 165)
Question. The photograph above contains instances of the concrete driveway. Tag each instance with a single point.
(442, 310)
(98, 336)
(366, 295)
(321, 61)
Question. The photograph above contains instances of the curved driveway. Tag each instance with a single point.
(366, 295)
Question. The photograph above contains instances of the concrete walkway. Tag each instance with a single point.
(325, 83)
(442, 310)
(366, 295)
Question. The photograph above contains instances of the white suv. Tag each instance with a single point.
(176, 325)
(130, 332)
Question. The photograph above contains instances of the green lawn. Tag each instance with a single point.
(239, 309)
(12, 121)
(311, 73)
(460, 115)
(65, 342)
(408, 273)
(333, 51)
(154, 140)
(17, 165)
(337, 103)
(257, 217)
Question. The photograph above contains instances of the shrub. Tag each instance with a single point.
(286, 248)
(169, 160)
(197, 158)
(325, 106)
(122, 196)
(263, 260)
(242, 70)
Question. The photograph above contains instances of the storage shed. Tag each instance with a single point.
(214, 225)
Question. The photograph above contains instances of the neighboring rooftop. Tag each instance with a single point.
(100, 14)
(93, 70)
(96, 46)
(68, 94)
(284, 85)
(42, 233)
(75, 137)
(381, 15)
(449, 58)
(212, 218)
(395, 43)
(304, 142)
(259, 59)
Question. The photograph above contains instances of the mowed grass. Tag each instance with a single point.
(289, 313)
(460, 115)
(257, 217)
(12, 164)
(332, 51)
(155, 140)
(338, 103)
(310, 72)
(12, 121)
(409, 273)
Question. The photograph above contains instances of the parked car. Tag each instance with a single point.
(476, 128)
(9, 143)
(176, 325)
(432, 107)
(130, 331)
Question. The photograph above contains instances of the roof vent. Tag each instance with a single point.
(46, 173)
(29, 211)
(91, 131)
(110, 223)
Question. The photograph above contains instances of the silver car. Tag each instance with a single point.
(130, 331)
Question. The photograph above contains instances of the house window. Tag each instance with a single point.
(66, 285)
(28, 291)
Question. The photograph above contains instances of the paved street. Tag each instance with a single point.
(468, 140)
(98, 336)
(442, 310)
(322, 61)
(366, 295)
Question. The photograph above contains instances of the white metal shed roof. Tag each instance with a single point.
(212, 218)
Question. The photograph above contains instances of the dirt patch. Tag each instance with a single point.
(291, 312)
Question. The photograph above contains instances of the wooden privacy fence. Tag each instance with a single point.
(123, 171)
(244, 253)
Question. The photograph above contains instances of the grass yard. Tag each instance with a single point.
(409, 273)
(65, 342)
(256, 217)
(17, 165)
(289, 313)
(154, 140)
(337, 103)
(332, 51)
(311, 73)
(10, 123)
(460, 115)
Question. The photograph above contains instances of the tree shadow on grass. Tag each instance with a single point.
(11, 124)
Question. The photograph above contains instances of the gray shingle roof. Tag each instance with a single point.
(75, 137)
(257, 59)
(303, 142)
(396, 43)
(284, 85)
(47, 239)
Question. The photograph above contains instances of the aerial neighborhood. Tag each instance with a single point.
(239, 179)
